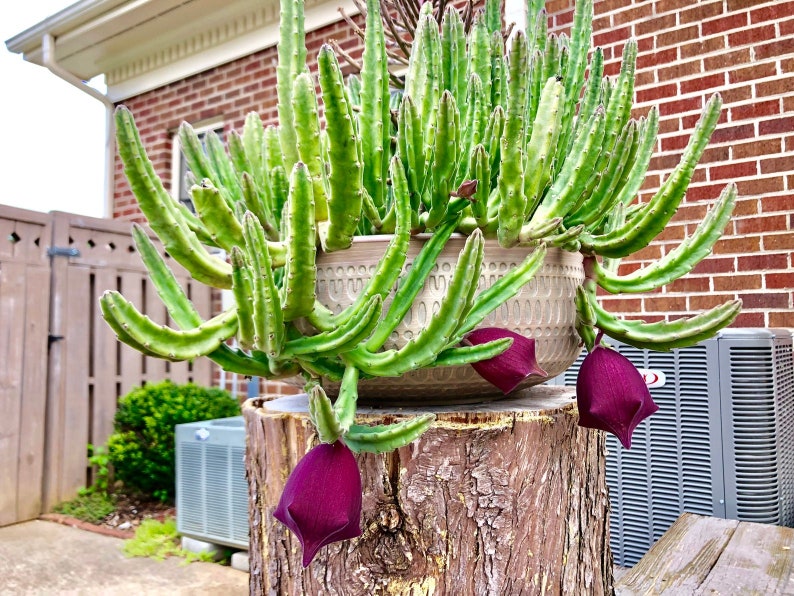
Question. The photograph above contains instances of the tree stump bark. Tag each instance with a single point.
(502, 498)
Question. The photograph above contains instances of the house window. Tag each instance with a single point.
(180, 188)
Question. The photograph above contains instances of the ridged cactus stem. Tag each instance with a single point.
(268, 317)
(664, 335)
(479, 51)
(575, 173)
(344, 154)
(164, 342)
(453, 54)
(581, 35)
(431, 340)
(513, 201)
(253, 140)
(679, 261)
(445, 151)
(423, 79)
(291, 62)
(375, 117)
(242, 290)
(300, 271)
(472, 127)
(307, 132)
(540, 149)
(216, 215)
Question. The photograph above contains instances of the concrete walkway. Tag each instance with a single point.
(46, 558)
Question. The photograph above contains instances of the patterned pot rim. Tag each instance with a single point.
(545, 311)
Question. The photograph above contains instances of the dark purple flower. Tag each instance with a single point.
(321, 502)
(611, 394)
(508, 369)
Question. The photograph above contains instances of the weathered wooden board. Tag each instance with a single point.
(710, 556)
(502, 498)
(12, 326)
(34, 393)
(103, 388)
(75, 401)
(682, 558)
(758, 559)
(24, 318)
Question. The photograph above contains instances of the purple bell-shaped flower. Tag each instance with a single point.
(321, 502)
(611, 394)
(507, 370)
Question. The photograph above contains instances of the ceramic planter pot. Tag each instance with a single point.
(543, 309)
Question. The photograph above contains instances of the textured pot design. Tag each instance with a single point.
(543, 309)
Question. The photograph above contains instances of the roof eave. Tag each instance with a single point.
(28, 42)
(140, 45)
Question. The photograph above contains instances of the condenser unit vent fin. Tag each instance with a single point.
(722, 443)
(212, 491)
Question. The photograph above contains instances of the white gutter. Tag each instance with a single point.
(49, 61)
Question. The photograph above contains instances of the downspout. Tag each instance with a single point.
(49, 61)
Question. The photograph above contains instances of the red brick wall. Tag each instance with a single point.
(689, 49)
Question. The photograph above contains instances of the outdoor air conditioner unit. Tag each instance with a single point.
(721, 444)
(211, 489)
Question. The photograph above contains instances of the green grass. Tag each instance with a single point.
(91, 507)
(158, 540)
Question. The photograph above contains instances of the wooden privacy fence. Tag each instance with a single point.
(61, 368)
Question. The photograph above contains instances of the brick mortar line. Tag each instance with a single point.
(73, 522)
(555, 28)
(610, 13)
(757, 138)
(710, 182)
(725, 107)
(727, 69)
(698, 39)
(711, 90)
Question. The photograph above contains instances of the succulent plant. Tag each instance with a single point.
(507, 141)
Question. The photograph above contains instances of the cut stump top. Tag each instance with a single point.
(542, 402)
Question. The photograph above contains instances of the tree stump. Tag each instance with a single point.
(507, 497)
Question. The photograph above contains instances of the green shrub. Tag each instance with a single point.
(141, 449)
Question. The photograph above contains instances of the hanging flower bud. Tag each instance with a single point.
(321, 502)
(611, 394)
(507, 370)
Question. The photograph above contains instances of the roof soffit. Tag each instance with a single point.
(141, 44)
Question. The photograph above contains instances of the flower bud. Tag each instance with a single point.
(507, 370)
(321, 502)
(611, 394)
